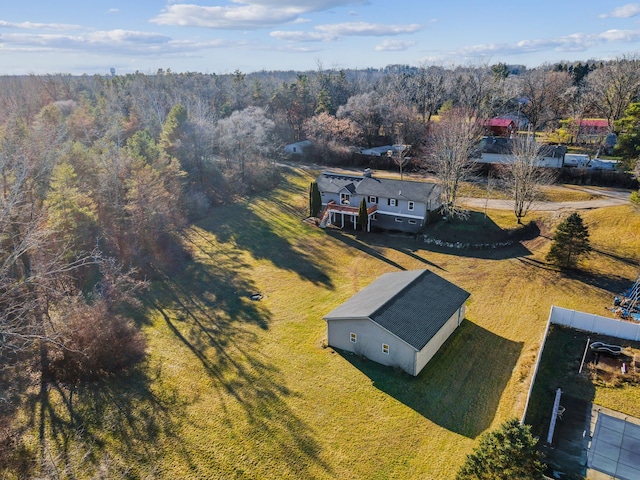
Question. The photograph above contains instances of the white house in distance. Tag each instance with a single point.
(399, 320)
(499, 150)
(297, 148)
(391, 204)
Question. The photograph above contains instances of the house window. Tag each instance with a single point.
(412, 222)
(392, 202)
(411, 205)
(374, 216)
(345, 198)
(385, 349)
(373, 199)
(398, 220)
(353, 338)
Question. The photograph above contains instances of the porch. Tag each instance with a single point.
(334, 213)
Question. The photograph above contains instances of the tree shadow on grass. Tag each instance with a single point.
(477, 237)
(80, 425)
(615, 284)
(363, 243)
(406, 244)
(461, 387)
(257, 234)
(208, 311)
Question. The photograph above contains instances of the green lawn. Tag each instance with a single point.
(235, 388)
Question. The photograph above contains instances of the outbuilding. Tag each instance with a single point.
(400, 320)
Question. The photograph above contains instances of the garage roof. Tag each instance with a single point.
(413, 305)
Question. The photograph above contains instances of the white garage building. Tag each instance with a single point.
(400, 320)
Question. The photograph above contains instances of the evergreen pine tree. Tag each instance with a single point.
(363, 217)
(570, 242)
(507, 453)
(315, 202)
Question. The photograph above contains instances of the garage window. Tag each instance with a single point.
(385, 348)
(353, 338)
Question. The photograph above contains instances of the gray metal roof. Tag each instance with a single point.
(413, 305)
(379, 187)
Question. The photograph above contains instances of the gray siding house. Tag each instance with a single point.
(391, 204)
(499, 150)
(400, 320)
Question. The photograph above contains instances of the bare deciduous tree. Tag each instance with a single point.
(523, 176)
(611, 88)
(451, 143)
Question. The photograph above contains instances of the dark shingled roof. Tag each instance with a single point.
(413, 305)
(378, 187)
(504, 146)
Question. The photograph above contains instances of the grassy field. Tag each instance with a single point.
(235, 388)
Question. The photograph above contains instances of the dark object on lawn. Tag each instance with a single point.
(255, 296)
(600, 347)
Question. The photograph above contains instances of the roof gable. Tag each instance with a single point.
(412, 305)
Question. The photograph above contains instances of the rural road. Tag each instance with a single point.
(610, 198)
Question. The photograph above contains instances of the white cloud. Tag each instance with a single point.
(34, 26)
(367, 29)
(113, 10)
(246, 14)
(393, 46)
(626, 11)
(117, 42)
(300, 36)
(577, 42)
(325, 33)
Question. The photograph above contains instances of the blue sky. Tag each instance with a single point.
(220, 36)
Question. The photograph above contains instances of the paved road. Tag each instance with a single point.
(610, 198)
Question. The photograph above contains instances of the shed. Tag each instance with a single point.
(399, 320)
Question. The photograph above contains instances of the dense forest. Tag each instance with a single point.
(100, 175)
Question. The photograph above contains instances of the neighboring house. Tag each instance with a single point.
(500, 127)
(297, 148)
(399, 320)
(391, 204)
(382, 151)
(593, 130)
(499, 150)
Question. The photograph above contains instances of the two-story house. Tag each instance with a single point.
(391, 204)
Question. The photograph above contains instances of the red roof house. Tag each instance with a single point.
(500, 127)
(594, 126)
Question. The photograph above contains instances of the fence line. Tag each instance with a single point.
(582, 321)
(595, 323)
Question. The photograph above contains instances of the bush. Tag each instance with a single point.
(93, 342)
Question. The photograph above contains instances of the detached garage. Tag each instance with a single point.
(400, 320)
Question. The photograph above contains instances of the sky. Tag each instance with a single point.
(222, 36)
